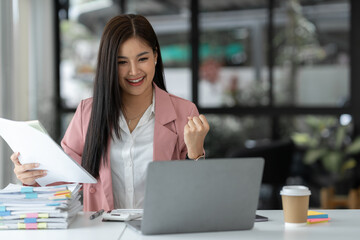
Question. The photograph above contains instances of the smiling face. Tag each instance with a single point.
(136, 65)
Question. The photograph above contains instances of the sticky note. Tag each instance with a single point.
(27, 189)
(30, 220)
(31, 225)
(62, 192)
(311, 213)
(53, 204)
(21, 226)
(42, 225)
(43, 215)
(31, 215)
(6, 213)
(318, 220)
(31, 195)
(317, 217)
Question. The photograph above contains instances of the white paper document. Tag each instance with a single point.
(37, 147)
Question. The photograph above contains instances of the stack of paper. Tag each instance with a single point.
(317, 217)
(39, 207)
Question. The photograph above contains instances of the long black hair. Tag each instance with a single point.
(106, 106)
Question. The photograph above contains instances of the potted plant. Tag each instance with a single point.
(329, 151)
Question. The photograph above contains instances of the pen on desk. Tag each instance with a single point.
(97, 214)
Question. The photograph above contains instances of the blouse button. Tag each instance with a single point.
(92, 190)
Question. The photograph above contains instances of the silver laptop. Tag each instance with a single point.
(200, 196)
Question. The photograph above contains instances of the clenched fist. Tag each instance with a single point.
(194, 135)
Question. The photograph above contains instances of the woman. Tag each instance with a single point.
(130, 121)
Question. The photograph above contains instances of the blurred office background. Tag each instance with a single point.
(275, 78)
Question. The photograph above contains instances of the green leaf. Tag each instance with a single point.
(354, 147)
(318, 124)
(349, 164)
(300, 139)
(312, 155)
(314, 122)
(304, 140)
(332, 161)
(340, 136)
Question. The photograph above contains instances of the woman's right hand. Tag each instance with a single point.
(25, 172)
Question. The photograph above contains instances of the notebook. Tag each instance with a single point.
(200, 196)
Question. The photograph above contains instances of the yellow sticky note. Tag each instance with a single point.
(21, 226)
(43, 215)
(311, 213)
(42, 225)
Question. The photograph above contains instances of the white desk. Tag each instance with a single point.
(344, 224)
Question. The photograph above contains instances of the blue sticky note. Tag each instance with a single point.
(2, 208)
(27, 189)
(29, 220)
(31, 195)
(318, 216)
(53, 204)
(7, 213)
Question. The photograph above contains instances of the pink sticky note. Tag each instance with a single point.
(31, 225)
(317, 220)
(31, 215)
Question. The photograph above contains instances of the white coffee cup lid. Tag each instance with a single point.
(295, 190)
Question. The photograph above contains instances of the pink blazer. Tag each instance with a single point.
(171, 114)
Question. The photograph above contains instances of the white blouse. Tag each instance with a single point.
(129, 158)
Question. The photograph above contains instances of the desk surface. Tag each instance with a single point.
(344, 224)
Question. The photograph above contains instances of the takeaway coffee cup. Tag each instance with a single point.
(295, 201)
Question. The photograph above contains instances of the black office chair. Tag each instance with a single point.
(278, 157)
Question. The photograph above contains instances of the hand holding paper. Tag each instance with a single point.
(37, 147)
(25, 172)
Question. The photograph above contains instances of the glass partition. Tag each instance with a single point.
(311, 43)
(232, 52)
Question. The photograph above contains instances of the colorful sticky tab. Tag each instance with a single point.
(2, 209)
(62, 192)
(53, 204)
(31, 195)
(60, 197)
(21, 226)
(30, 220)
(31, 225)
(43, 215)
(42, 225)
(312, 213)
(317, 217)
(31, 215)
(6, 213)
(27, 189)
(318, 220)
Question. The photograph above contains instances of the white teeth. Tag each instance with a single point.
(136, 80)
